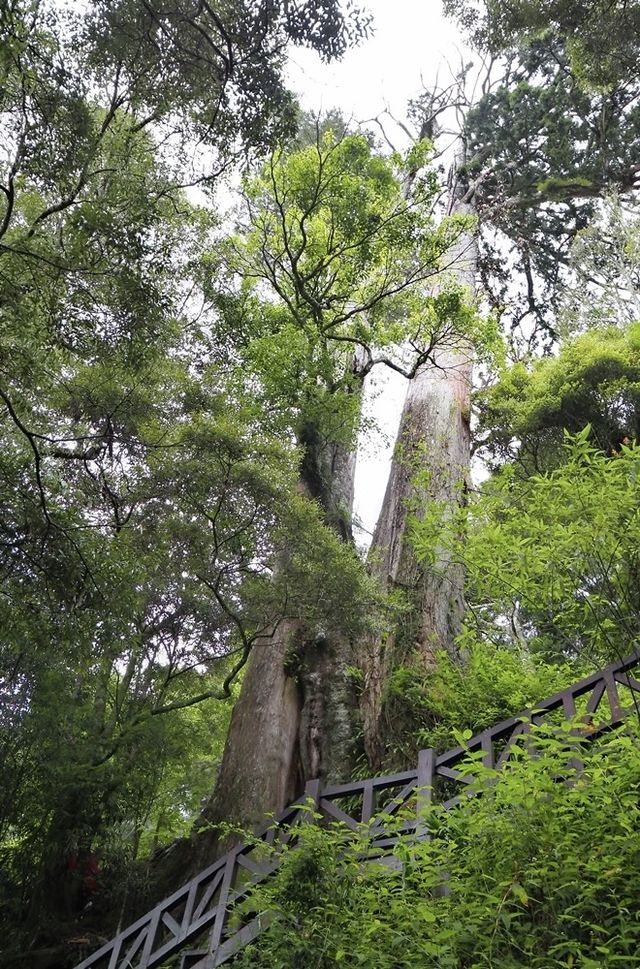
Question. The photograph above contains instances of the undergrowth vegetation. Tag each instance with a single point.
(491, 685)
(540, 871)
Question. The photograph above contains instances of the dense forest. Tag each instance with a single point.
(191, 633)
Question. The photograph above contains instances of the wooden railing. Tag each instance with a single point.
(199, 912)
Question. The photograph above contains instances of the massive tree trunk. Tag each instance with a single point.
(294, 718)
(430, 467)
(288, 724)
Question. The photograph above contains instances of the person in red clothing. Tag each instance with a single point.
(83, 881)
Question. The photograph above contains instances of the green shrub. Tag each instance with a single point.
(540, 871)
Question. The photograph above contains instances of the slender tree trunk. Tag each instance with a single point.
(430, 467)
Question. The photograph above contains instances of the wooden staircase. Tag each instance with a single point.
(196, 920)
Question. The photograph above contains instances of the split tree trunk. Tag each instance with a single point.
(430, 465)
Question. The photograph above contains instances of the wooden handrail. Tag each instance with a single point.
(200, 909)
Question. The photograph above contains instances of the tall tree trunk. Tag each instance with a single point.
(430, 465)
(294, 718)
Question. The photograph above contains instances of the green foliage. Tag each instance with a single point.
(170, 427)
(594, 379)
(552, 559)
(344, 261)
(604, 285)
(542, 147)
(429, 708)
(146, 493)
(217, 68)
(537, 871)
(602, 37)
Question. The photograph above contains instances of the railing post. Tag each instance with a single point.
(312, 791)
(215, 935)
(424, 789)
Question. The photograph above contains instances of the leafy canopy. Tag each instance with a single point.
(552, 558)
(330, 277)
(601, 35)
(145, 499)
(594, 379)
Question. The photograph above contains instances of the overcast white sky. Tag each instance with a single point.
(411, 39)
(411, 42)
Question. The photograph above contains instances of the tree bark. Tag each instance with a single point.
(294, 718)
(260, 766)
(430, 465)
